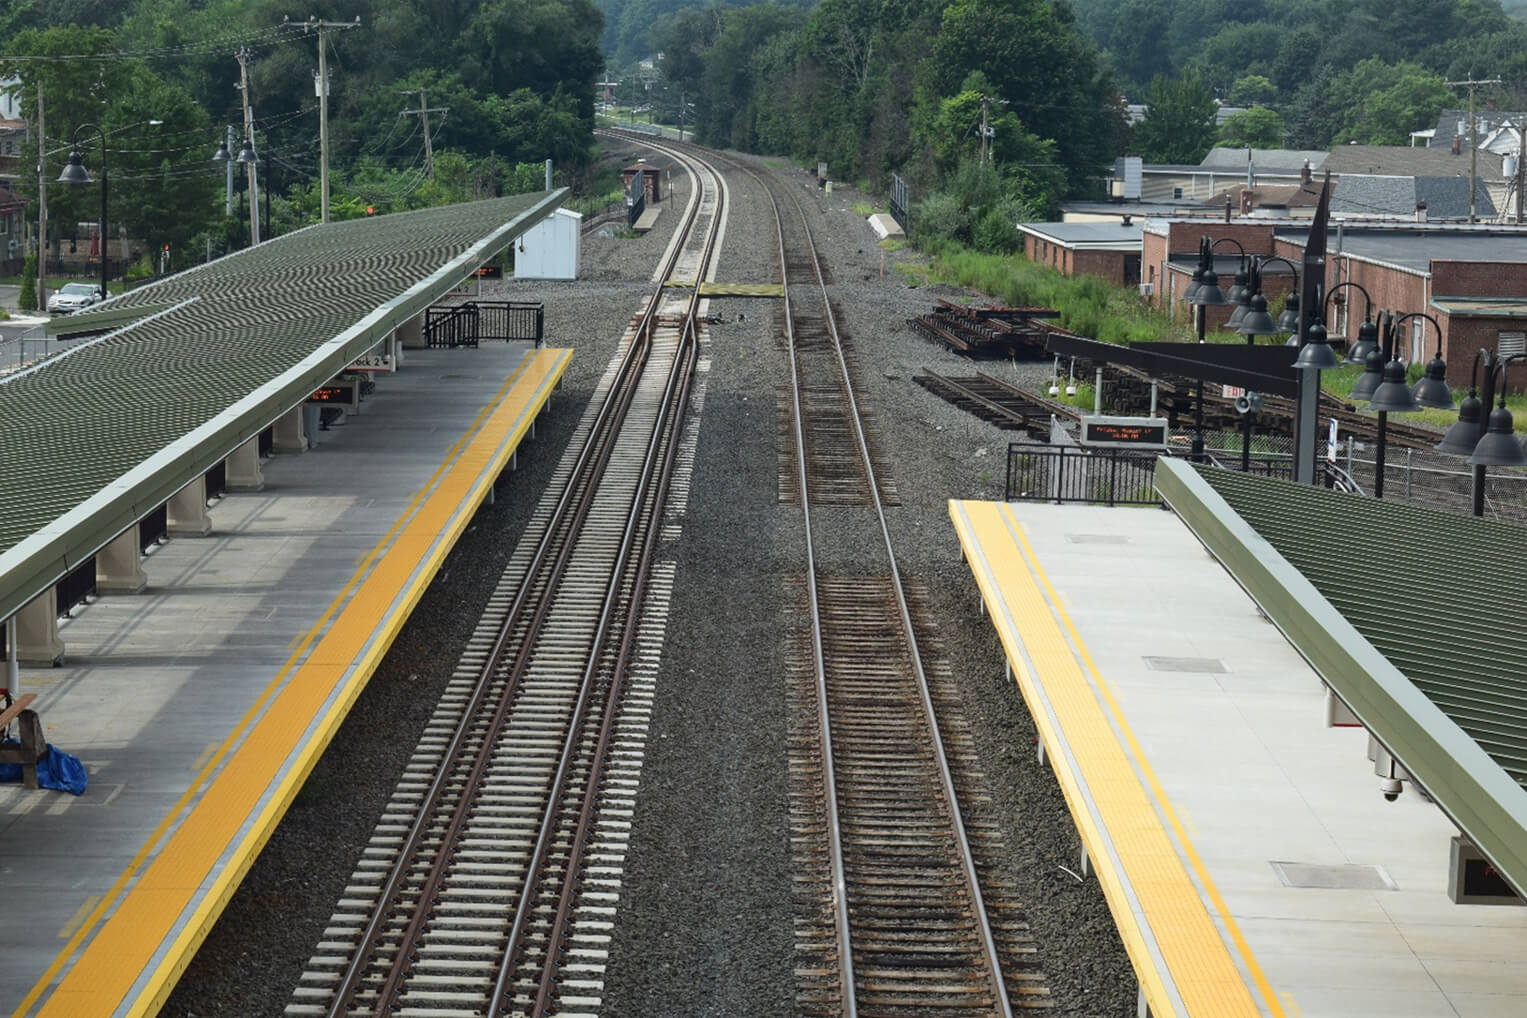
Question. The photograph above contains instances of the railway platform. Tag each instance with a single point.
(1249, 860)
(200, 704)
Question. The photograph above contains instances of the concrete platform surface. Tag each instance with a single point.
(1330, 901)
(164, 693)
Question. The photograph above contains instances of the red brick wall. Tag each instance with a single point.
(1107, 264)
(1256, 238)
(1466, 337)
(1478, 279)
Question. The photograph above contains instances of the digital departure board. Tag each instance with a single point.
(1474, 880)
(491, 271)
(346, 393)
(1125, 432)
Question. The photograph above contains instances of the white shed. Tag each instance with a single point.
(549, 249)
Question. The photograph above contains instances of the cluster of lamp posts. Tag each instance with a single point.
(1382, 383)
(75, 173)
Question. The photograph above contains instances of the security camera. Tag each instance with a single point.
(1391, 788)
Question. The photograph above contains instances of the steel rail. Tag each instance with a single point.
(967, 860)
(818, 656)
(647, 492)
(571, 510)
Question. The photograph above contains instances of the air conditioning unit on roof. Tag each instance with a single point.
(1146, 289)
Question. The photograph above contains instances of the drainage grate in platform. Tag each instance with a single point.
(1098, 539)
(1333, 878)
(1211, 665)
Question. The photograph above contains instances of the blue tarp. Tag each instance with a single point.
(56, 769)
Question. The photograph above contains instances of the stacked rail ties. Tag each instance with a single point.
(897, 911)
(1000, 403)
(989, 331)
(487, 888)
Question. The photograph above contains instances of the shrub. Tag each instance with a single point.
(28, 296)
(939, 218)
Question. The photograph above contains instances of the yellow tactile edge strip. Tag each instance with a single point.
(232, 821)
(1183, 963)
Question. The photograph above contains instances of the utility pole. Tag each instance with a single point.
(254, 178)
(42, 205)
(1473, 140)
(321, 87)
(423, 112)
(228, 186)
(1521, 167)
(987, 131)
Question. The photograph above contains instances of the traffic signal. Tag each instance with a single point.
(370, 210)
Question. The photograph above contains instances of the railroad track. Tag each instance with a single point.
(897, 912)
(486, 888)
(998, 402)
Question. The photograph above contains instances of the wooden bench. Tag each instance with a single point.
(33, 745)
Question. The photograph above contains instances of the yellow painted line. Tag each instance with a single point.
(1184, 966)
(79, 916)
(741, 290)
(339, 665)
(1181, 826)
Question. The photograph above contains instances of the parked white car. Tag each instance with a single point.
(74, 297)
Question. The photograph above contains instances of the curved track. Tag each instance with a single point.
(481, 892)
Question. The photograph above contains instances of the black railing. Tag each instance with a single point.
(451, 325)
(1068, 473)
(899, 202)
(154, 528)
(75, 587)
(469, 323)
(636, 199)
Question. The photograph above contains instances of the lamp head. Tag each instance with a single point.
(1393, 395)
(1209, 293)
(1463, 436)
(74, 169)
(1256, 321)
(1316, 353)
(1193, 285)
(247, 153)
(222, 155)
(1499, 447)
(1288, 321)
(1433, 390)
(1367, 339)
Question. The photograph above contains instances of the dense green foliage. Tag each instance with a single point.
(509, 83)
(1370, 71)
(27, 299)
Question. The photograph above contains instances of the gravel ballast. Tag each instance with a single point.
(705, 917)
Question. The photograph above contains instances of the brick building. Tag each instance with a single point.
(1471, 279)
(1109, 249)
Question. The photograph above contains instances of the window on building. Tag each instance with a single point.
(1176, 192)
(1509, 343)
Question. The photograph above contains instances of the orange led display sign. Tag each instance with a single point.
(1125, 432)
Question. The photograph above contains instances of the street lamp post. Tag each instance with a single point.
(1368, 332)
(1391, 396)
(247, 156)
(1207, 295)
(1495, 447)
(75, 173)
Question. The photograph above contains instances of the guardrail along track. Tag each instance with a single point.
(483, 889)
(892, 915)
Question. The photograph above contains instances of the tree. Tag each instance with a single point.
(1380, 104)
(28, 296)
(1179, 126)
(1253, 90)
(1258, 127)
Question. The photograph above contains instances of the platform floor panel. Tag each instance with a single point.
(201, 703)
(1326, 900)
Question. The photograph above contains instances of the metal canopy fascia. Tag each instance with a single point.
(40, 560)
(1251, 367)
(1488, 806)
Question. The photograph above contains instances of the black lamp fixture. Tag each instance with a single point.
(75, 173)
(1373, 371)
(1256, 321)
(1368, 332)
(1492, 445)
(1204, 261)
(1393, 396)
(1316, 352)
(1239, 286)
(1288, 321)
(1432, 390)
(1208, 296)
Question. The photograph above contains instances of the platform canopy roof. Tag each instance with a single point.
(1408, 614)
(165, 381)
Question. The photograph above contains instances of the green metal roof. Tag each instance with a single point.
(95, 438)
(1399, 608)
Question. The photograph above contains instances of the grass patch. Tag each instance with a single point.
(1088, 305)
(893, 243)
(863, 208)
